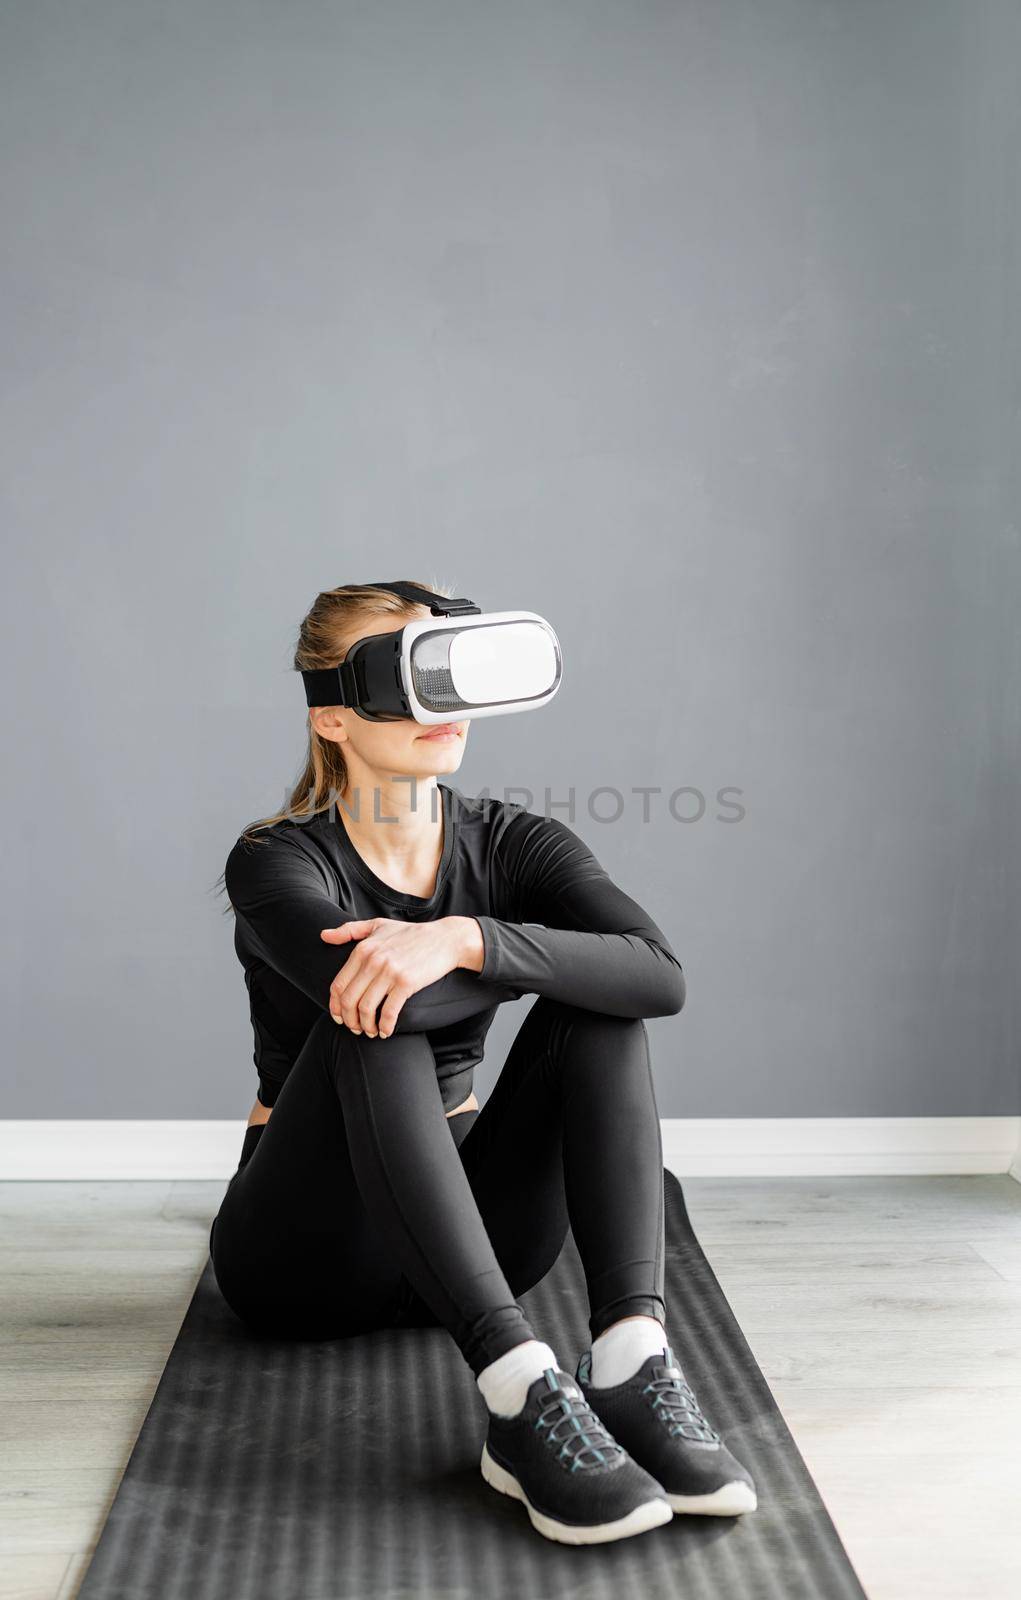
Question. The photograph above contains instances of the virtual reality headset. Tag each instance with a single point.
(461, 662)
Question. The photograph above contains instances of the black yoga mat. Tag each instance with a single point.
(279, 1470)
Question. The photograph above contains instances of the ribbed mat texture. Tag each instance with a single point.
(348, 1469)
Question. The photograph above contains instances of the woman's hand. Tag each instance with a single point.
(395, 959)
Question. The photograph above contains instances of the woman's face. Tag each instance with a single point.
(404, 747)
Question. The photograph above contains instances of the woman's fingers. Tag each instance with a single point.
(360, 988)
(346, 989)
(347, 985)
(348, 930)
(392, 1008)
(378, 980)
(386, 970)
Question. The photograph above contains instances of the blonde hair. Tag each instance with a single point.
(324, 638)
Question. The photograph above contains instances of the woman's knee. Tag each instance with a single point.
(593, 1048)
(598, 1032)
(326, 1036)
(330, 1048)
(332, 1041)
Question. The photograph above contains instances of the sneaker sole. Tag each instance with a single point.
(731, 1500)
(650, 1515)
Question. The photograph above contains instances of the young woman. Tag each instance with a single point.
(380, 921)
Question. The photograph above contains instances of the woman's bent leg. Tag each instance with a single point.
(295, 1250)
(613, 1166)
(571, 1131)
(410, 1176)
(354, 1187)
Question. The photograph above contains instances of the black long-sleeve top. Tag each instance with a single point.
(553, 923)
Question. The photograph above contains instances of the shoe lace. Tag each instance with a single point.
(675, 1402)
(583, 1440)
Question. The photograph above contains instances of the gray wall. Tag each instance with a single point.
(693, 326)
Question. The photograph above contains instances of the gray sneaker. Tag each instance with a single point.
(656, 1417)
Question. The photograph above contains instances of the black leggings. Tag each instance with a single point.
(359, 1205)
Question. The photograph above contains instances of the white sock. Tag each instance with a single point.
(619, 1352)
(504, 1383)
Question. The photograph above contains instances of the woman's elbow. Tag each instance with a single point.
(682, 991)
(674, 993)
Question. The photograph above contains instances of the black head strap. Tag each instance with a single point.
(335, 686)
(438, 604)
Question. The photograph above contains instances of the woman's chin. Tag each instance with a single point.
(439, 755)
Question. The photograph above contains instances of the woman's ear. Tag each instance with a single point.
(328, 723)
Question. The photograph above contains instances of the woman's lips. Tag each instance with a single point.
(444, 730)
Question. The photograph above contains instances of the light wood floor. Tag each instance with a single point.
(884, 1312)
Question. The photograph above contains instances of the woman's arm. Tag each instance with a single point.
(598, 949)
(282, 898)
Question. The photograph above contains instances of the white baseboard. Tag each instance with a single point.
(747, 1147)
(737, 1147)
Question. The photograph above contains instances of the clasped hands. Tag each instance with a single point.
(393, 960)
